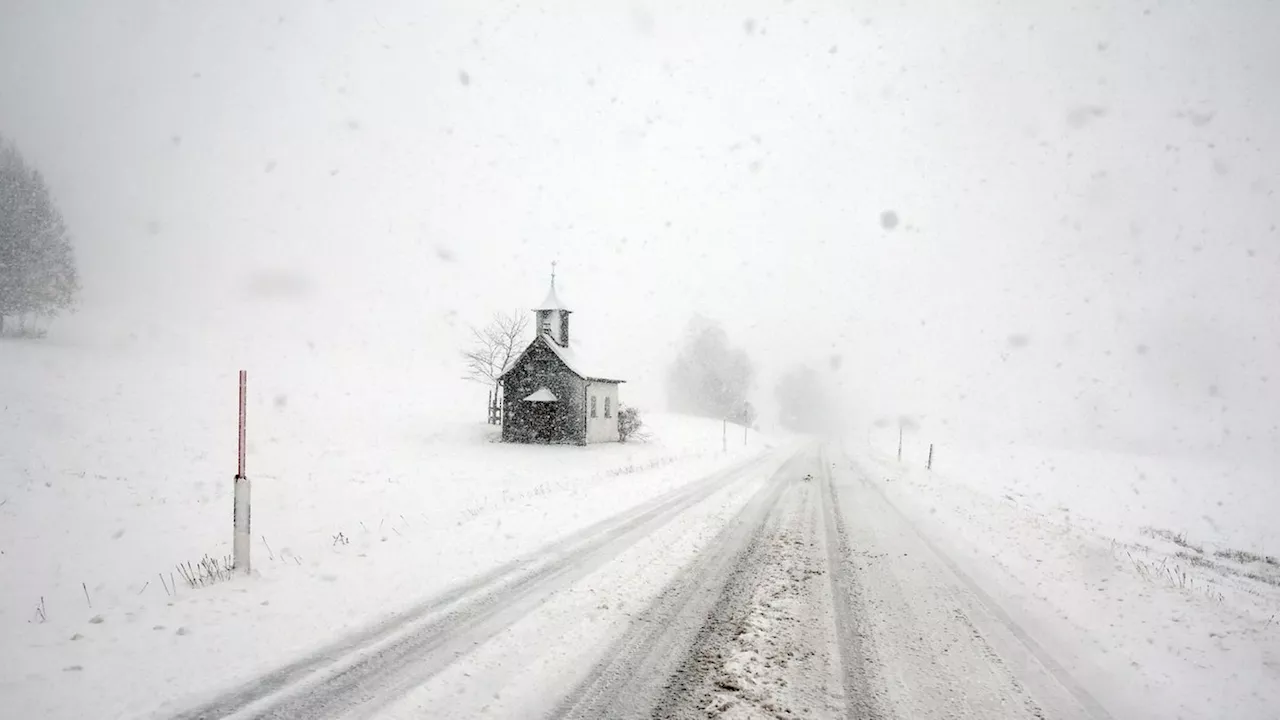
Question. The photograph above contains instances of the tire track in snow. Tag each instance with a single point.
(788, 636)
(769, 648)
(429, 636)
(853, 643)
(1053, 684)
(928, 660)
(650, 668)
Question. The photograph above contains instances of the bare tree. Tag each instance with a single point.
(494, 347)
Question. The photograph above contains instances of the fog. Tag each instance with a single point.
(1041, 221)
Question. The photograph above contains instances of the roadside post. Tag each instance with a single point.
(240, 517)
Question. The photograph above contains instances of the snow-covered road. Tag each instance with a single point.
(784, 586)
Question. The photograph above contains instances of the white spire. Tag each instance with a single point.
(553, 316)
(552, 301)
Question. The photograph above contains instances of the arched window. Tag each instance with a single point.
(593, 406)
(607, 412)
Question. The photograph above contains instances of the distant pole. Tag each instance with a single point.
(899, 442)
(724, 435)
(929, 466)
(240, 521)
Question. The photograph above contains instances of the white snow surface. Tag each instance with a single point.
(114, 467)
(525, 670)
(1153, 581)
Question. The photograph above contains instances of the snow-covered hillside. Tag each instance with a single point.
(116, 465)
(1222, 498)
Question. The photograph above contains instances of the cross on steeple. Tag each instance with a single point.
(553, 274)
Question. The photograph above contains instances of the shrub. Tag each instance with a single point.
(629, 422)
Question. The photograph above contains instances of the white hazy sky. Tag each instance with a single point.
(1087, 249)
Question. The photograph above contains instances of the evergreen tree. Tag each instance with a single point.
(38, 274)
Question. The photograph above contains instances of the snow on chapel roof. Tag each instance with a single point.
(542, 395)
(552, 301)
(571, 357)
(579, 362)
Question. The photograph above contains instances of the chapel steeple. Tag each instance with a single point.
(553, 316)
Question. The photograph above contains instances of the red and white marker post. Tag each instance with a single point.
(240, 521)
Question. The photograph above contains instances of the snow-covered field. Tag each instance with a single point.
(1153, 581)
(368, 496)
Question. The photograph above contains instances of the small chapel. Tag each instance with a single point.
(551, 393)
